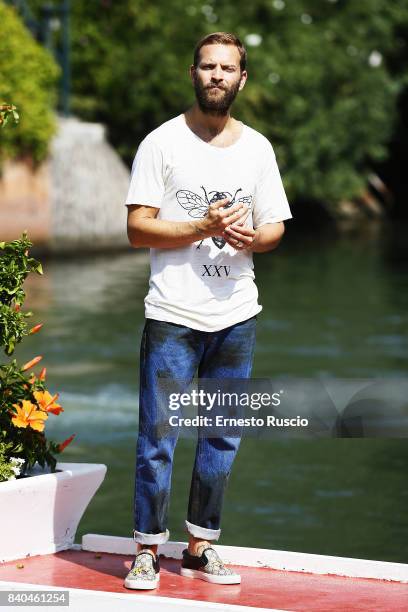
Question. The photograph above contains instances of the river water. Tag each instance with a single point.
(333, 306)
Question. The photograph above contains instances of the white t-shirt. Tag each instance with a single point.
(206, 285)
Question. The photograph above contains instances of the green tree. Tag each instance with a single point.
(324, 77)
(28, 76)
(319, 84)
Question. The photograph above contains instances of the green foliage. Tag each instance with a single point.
(15, 265)
(28, 77)
(8, 111)
(323, 92)
(9, 466)
(320, 85)
(143, 77)
(323, 82)
(25, 403)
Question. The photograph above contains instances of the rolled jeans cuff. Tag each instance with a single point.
(151, 538)
(202, 532)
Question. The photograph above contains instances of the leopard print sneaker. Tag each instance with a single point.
(144, 572)
(208, 566)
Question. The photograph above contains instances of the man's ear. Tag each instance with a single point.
(244, 76)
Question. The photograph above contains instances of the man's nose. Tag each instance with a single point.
(217, 74)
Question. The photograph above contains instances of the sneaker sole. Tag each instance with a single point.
(141, 584)
(189, 573)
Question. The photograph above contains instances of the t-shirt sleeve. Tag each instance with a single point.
(146, 181)
(271, 204)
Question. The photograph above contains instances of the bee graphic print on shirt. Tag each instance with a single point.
(197, 206)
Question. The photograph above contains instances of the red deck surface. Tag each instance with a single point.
(260, 587)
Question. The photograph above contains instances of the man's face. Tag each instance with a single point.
(217, 78)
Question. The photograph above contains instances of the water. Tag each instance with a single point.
(333, 307)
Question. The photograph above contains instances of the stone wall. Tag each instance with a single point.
(25, 201)
(74, 200)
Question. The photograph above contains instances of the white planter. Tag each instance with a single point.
(40, 514)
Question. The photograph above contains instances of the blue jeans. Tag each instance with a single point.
(174, 351)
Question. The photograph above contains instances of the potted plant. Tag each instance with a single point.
(25, 402)
(41, 501)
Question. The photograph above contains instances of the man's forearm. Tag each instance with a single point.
(158, 233)
(145, 230)
(267, 237)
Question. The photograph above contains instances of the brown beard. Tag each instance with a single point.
(211, 105)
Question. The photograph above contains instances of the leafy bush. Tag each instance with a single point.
(15, 265)
(25, 403)
(28, 76)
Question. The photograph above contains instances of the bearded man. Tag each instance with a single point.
(205, 193)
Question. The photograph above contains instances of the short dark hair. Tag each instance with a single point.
(221, 38)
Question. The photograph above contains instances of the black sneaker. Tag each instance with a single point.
(207, 567)
(144, 572)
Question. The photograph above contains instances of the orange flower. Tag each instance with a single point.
(42, 374)
(46, 402)
(36, 328)
(28, 416)
(66, 442)
(31, 363)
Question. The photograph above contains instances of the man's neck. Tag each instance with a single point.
(206, 123)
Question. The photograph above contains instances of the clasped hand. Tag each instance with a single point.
(229, 223)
